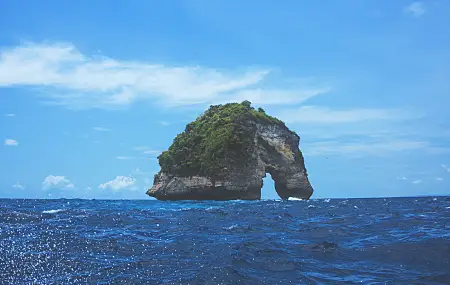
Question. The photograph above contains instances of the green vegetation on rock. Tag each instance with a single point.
(216, 140)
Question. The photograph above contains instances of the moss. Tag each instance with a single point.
(216, 141)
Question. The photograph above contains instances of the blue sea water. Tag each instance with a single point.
(354, 241)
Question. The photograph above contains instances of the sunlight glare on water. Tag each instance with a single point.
(353, 241)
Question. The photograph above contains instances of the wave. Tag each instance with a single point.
(52, 211)
(294, 199)
(107, 242)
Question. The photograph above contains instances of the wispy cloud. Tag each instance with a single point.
(125, 157)
(418, 181)
(75, 80)
(363, 148)
(446, 168)
(416, 9)
(439, 179)
(9, 115)
(138, 171)
(118, 183)
(324, 115)
(438, 150)
(152, 152)
(18, 186)
(164, 123)
(57, 182)
(402, 178)
(11, 142)
(148, 151)
(100, 129)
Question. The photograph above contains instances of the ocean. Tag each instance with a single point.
(323, 241)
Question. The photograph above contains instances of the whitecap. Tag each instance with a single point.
(231, 227)
(294, 199)
(311, 206)
(212, 209)
(52, 211)
(327, 200)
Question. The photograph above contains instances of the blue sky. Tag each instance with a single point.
(92, 91)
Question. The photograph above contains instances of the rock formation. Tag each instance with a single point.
(226, 152)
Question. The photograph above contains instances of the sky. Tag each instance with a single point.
(92, 91)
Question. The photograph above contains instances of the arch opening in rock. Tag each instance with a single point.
(268, 191)
(288, 182)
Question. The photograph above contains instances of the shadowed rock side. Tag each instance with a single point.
(271, 148)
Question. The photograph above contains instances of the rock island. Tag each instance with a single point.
(225, 154)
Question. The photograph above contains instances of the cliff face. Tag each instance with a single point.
(264, 145)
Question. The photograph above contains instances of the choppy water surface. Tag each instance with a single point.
(363, 241)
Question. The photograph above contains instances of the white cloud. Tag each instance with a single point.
(164, 123)
(70, 186)
(9, 115)
(439, 179)
(446, 168)
(18, 186)
(11, 142)
(324, 115)
(57, 182)
(75, 80)
(120, 182)
(402, 178)
(138, 171)
(100, 129)
(416, 9)
(361, 148)
(88, 188)
(153, 152)
(417, 181)
(148, 151)
(125, 157)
